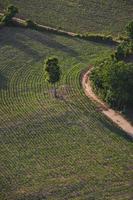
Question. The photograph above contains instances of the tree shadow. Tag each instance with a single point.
(115, 129)
(129, 114)
(15, 38)
(111, 44)
(47, 39)
(3, 82)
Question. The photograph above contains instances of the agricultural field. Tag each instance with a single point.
(56, 148)
(105, 16)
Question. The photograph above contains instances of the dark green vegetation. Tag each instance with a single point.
(56, 148)
(108, 16)
(114, 82)
(9, 13)
(124, 50)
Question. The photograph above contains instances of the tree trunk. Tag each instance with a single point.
(55, 94)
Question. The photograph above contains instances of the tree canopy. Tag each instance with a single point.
(53, 70)
(113, 81)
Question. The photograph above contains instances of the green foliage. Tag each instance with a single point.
(10, 12)
(53, 70)
(114, 83)
(129, 29)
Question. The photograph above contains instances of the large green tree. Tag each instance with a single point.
(53, 72)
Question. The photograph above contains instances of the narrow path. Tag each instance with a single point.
(115, 116)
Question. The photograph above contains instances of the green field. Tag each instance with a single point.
(56, 148)
(108, 16)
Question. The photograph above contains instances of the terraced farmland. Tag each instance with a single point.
(109, 16)
(56, 148)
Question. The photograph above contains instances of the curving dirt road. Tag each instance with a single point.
(115, 116)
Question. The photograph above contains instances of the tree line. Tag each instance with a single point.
(112, 78)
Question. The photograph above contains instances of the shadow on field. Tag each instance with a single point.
(26, 40)
(15, 38)
(113, 128)
(3, 82)
(111, 44)
(47, 40)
